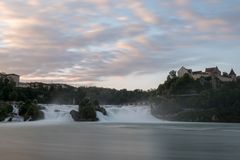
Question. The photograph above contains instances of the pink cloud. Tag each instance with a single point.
(201, 23)
(142, 12)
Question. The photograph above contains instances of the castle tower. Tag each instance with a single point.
(233, 75)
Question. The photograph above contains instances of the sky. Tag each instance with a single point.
(116, 43)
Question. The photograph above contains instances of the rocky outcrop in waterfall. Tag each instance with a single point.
(5, 110)
(20, 111)
(87, 111)
(30, 111)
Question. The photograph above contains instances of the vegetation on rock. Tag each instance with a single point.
(5, 110)
(87, 110)
(30, 111)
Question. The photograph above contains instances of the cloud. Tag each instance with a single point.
(142, 12)
(201, 23)
(93, 41)
(182, 2)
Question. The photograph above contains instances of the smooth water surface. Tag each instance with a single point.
(120, 141)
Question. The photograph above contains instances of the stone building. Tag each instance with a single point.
(212, 73)
(233, 75)
(11, 77)
(198, 74)
(182, 71)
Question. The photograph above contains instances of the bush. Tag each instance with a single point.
(5, 110)
(31, 111)
(87, 110)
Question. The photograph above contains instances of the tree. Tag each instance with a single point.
(173, 74)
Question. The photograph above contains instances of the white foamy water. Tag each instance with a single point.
(116, 114)
(58, 112)
(14, 116)
(128, 114)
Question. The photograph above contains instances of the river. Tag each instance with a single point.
(116, 140)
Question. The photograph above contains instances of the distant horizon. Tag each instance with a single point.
(122, 44)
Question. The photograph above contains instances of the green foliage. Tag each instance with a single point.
(113, 96)
(6, 90)
(5, 110)
(30, 110)
(87, 110)
(173, 74)
(175, 85)
(70, 95)
(201, 103)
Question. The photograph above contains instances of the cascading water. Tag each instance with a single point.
(58, 112)
(116, 114)
(14, 116)
(128, 114)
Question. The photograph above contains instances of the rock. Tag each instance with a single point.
(214, 118)
(98, 108)
(9, 120)
(84, 115)
(40, 107)
(57, 110)
(30, 111)
(101, 109)
(87, 111)
(75, 115)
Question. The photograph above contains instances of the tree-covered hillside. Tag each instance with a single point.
(186, 99)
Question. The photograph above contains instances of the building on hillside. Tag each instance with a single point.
(198, 74)
(24, 85)
(40, 85)
(238, 78)
(233, 75)
(182, 71)
(33, 85)
(210, 73)
(214, 71)
(11, 77)
(225, 79)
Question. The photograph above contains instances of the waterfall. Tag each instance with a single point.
(128, 114)
(58, 112)
(14, 116)
(119, 114)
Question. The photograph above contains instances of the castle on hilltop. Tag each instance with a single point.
(214, 74)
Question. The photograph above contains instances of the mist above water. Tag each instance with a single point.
(116, 114)
(128, 114)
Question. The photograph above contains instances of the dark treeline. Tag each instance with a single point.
(70, 95)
